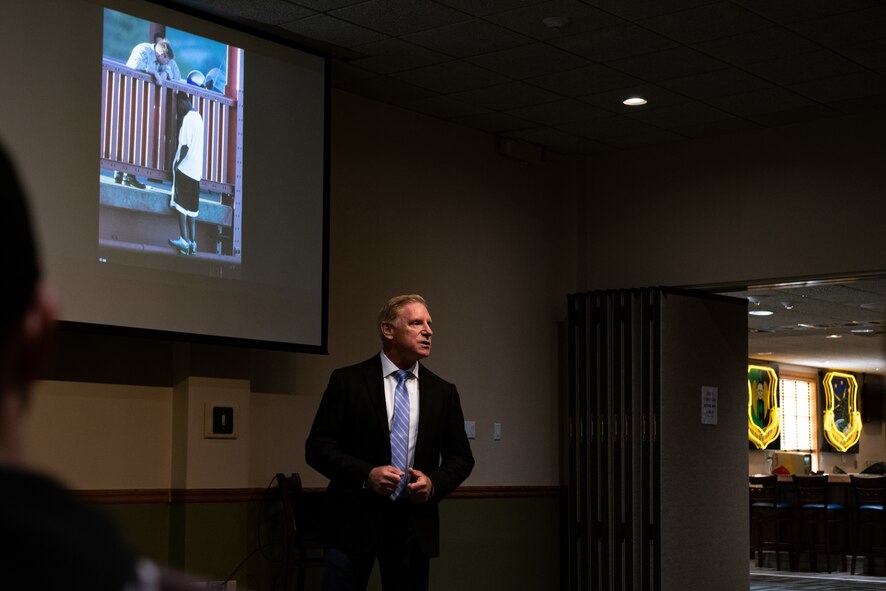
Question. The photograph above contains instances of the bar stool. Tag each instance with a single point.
(770, 519)
(820, 524)
(868, 502)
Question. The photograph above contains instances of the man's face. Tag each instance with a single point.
(410, 334)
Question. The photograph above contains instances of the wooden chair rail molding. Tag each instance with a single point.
(244, 495)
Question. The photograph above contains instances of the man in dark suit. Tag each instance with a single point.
(389, 435)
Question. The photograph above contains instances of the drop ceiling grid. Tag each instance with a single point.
(732, 65)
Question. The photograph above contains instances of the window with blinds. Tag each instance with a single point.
(799, 427)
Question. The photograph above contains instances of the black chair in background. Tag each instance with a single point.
(302, 547)
(868, 522)
(770, 520)
(820, 523)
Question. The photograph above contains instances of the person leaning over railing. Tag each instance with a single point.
(154, 59)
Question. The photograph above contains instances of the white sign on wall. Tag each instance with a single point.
(709, 405)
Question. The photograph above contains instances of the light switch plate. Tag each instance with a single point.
(471, 429)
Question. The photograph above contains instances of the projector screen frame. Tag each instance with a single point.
(321, 347)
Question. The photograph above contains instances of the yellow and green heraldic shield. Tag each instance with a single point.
(842, 421)
(764, 416)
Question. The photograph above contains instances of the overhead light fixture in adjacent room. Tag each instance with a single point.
(760, 312)
(862, 331)
(635, 101)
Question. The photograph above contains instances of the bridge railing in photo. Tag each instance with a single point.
(138, 127)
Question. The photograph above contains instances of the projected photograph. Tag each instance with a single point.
(171, 161)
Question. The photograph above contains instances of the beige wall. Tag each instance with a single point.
(417, 205)
(421, 205)
(798, 201)
(101, 436)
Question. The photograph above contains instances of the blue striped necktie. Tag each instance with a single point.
(400, 431)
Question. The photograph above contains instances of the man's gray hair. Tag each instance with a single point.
(389, 312)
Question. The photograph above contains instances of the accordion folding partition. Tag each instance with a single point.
(656, 439)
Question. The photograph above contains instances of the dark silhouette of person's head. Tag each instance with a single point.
(18, 254)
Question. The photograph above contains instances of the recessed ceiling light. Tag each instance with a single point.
(834, 336)
(760, 313)
(862, 331)
(634, 101)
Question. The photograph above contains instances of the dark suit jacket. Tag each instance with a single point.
(350, 436)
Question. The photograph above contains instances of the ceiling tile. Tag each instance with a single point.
(332, 30)
(856, 85)
(560, 112)
(703, 23)
(853, 106)
(608, 127)
(395, 55)
(789, 11)
(493, 122)
(399, 17)
(486, 7)
(584, 81)
(468, 38)
(814, 112)
(633, 10)
(269, 12)
(324, 5)
(707, 67)
(758, 102)
(451, 76)
(773, 107)
(683, 114)
(718, 83)
(610, 43)
(846, 29)
(666, 64)
(870, 55)
(757, 46)
(529, 20)
(528, 61)
(506, 96)
(803, 67)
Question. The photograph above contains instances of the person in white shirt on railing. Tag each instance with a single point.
(186, 174)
